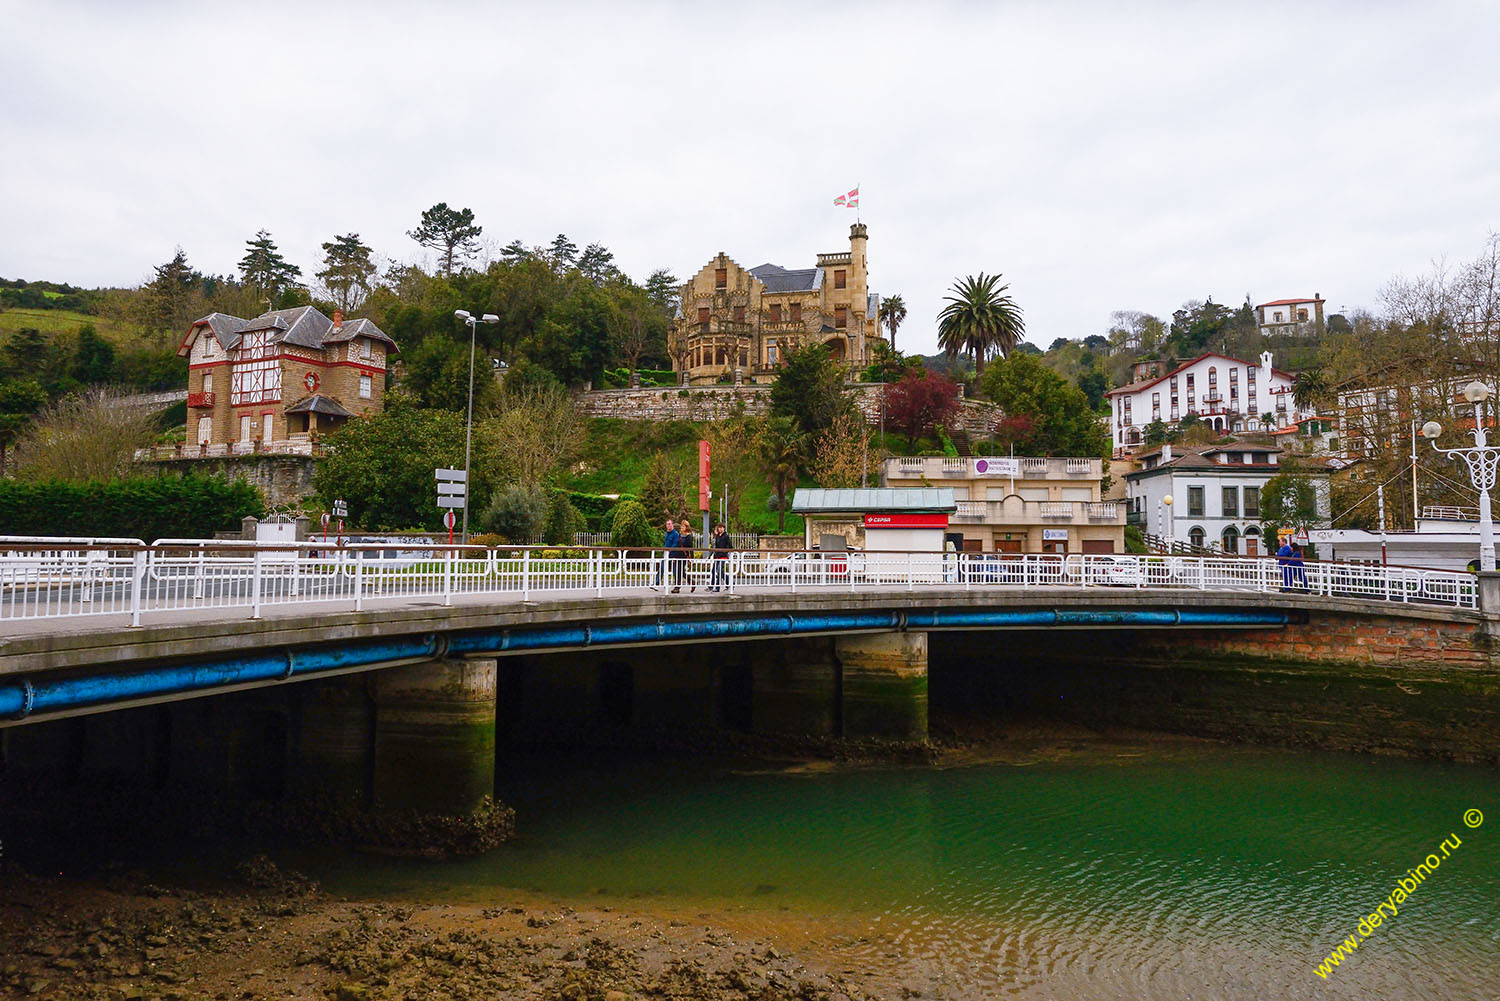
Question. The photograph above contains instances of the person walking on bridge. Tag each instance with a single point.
(681, 555)
(669, 546)
(721, 545)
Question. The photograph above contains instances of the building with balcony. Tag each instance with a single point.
(738, 323)
(276, 382)
(1019, 504)
(1299, 317)
(1226, 393)
(1215, 491)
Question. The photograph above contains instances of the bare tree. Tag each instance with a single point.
(91, 435)
(534, 433)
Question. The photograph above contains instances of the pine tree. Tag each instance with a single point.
(264, 268)
(347, 270)
(450, 232)
(171, 294)
(564, 251)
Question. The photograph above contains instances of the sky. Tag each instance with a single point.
(1101, 156)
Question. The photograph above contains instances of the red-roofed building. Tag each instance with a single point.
(1291, 316)
(1226, 393)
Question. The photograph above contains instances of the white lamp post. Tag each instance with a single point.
(1481, 460)
(473, 322)
(1167, 500)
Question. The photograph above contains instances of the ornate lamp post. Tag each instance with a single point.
(1482, 461)
(1167, 500)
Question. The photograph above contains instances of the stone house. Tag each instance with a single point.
(738, 323)
(278, 381)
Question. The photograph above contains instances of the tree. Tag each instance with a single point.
(1267, 420)
(172, 295)
(641, 326)
(450, 232)
(564, 252)
(810, 389)
(892, 315)
(889, 365)
(1156, 433)
(631, 528)
(980, 319)
(840, 456)
(264, 269)
(662, 288)
(517, 512)
(1310, 392)
(20, 399)
(665, 490)
(1064, 423)
(919, 402)
(597, 264)
(93, 358)
(91, 435)
(564, 522)
(1094, 385)
(436, 375)
(514, 252)
(535, 432)
(1288, 500)
(382, 465)
(782, 457)
(347, 270)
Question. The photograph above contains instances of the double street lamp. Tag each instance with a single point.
(1481, 461)
(473, 322)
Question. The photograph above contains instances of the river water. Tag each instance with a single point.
(1207, 873)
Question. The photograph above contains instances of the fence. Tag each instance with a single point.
(65, 578)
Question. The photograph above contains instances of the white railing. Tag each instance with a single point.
(64, 578)
(1448, 512)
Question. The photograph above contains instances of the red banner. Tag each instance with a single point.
(906, 521)
(702, 476)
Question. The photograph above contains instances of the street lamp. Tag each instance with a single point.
(1167, 500)
(473, 322)
(1481, 460)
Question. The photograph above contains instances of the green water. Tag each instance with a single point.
(1217, 873)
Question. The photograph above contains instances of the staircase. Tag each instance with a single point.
(960, 441)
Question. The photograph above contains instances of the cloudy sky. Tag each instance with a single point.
(1101, 156)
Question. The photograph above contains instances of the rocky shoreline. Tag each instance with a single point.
(276, 936)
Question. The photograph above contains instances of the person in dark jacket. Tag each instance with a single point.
(681, 553)
(669, 545)
(721, 545)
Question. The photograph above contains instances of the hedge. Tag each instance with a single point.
(139, 507)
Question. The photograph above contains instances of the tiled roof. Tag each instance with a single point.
(1136, 387)
(808, 500)
(319, 404)
(779, 279)
(1287, 302)
(303, 326)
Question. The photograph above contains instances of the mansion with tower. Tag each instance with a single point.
(738, 323)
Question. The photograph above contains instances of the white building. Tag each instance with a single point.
(1291, 316)
(1227, 393)
(1215, 495)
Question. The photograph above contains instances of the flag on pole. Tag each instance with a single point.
(849, 201)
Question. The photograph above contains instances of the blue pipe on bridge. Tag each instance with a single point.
(22, 698)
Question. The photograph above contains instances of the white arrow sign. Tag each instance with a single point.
(454, 475)
(445, 487)
(450, 502)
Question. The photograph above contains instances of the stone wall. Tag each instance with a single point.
(715, 403)
(283, 480)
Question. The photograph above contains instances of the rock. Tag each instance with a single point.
(350, 992)
(614, 996)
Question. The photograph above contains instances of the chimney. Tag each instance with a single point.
(338, 319)
(1166, 453)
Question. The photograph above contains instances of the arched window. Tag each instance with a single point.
(1213, 377)
(1231, 540)
(1196, 536)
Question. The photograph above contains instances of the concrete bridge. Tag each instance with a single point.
(407, 677)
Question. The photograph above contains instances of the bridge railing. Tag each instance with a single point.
(68, 578)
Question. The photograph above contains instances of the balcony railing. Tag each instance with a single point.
(292, 446)
(204, 399)
(938, 467)
(988, 512)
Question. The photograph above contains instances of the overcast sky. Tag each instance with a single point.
(1101, 156)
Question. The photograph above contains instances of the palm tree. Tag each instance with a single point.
(892, 314)
(1267, 420)
(1310, 390)
(980, 319)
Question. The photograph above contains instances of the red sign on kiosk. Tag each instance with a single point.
(906, 521)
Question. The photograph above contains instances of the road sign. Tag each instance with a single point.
(450, 502)
(449, 519)
(452, 475)
(340, 509)
(326, 519)
(446, 487)
(703, 471)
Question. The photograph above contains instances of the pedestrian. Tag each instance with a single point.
(1284, 561)
(1299, 574)
(681, 555)
(668, 545)
(721, 544)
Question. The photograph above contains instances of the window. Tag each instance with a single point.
(841, 317)
(1231, 502)
(739, 314)
(1156, 406)
(1173, 384)
(1195, 502)
(205, 429)
(366, 348)
(796, 312)
(1213, 378)
(244, 427)
(721, 278)
(1127, 410)
(839, 279)
(365, 387)
(703, 315)
(255, 375)
(1195, 537)
(208, 382)
(267, 427)
(1302, 315)
(1174, 408)
(1231, 540)
(776, 313)
(1234, 384)
(1252, 502)
(771, 351)
(1276, 316)
(744, 357)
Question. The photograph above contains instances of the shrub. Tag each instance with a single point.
(517, 513)
(631, 530)
(607, 520)
(141, 507)
(486, 539)
(564, 522)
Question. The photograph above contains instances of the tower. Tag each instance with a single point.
(859, 293)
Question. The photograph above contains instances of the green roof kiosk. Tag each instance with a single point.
(891, 519)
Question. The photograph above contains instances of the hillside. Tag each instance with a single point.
(64, 321)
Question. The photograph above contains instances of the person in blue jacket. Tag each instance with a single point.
(669, 544)
(1284, 561)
